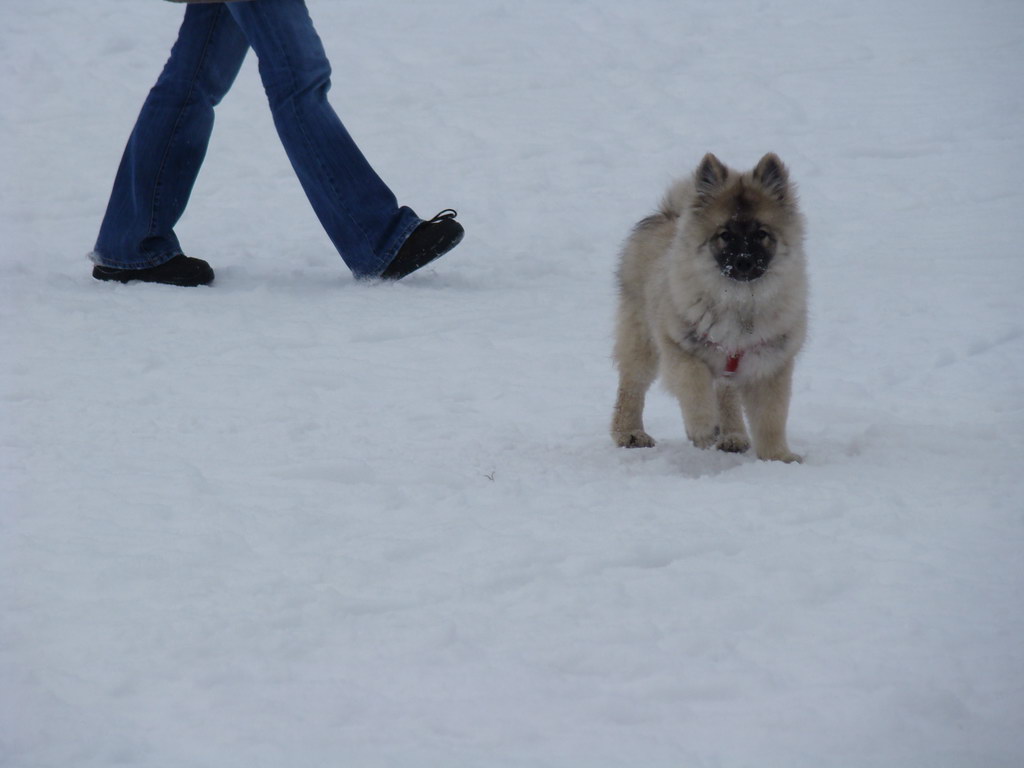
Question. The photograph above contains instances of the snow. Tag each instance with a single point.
(296, 520)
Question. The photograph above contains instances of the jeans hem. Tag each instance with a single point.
(389, 256)
(154, 261)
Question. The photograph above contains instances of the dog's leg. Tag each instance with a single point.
(730, 413)
(767, 404)
(637, 360)
(689, 379)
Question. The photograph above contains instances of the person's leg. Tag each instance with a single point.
(169, 142)
(357, 209)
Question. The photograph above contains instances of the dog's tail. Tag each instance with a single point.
(678, 199)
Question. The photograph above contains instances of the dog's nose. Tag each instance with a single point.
(744, 263)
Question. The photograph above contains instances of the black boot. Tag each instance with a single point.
(181, 270)
(428, 241)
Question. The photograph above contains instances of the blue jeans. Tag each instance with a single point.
(170, 138)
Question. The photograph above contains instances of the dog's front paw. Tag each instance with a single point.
(787, 456)
(734, 443)
(634, 439)
(703, 438)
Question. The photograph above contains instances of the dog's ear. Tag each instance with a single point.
(773, 177)
(710, 175)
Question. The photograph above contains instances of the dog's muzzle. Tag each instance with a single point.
(742, 266)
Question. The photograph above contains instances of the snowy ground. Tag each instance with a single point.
(291, 520)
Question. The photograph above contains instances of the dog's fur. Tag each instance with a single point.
(713, 296)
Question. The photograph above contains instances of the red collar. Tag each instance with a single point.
(733, 356)
(733, 363)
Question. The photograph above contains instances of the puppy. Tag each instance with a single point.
(713, 297)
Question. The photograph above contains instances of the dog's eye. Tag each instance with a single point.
(727, 237)
(761, 235)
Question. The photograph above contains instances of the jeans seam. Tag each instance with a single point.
(186, 104)
(310, 145)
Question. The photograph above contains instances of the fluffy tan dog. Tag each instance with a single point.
(713, 297)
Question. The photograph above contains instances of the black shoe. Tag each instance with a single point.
(428, 241)
(181, 270)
